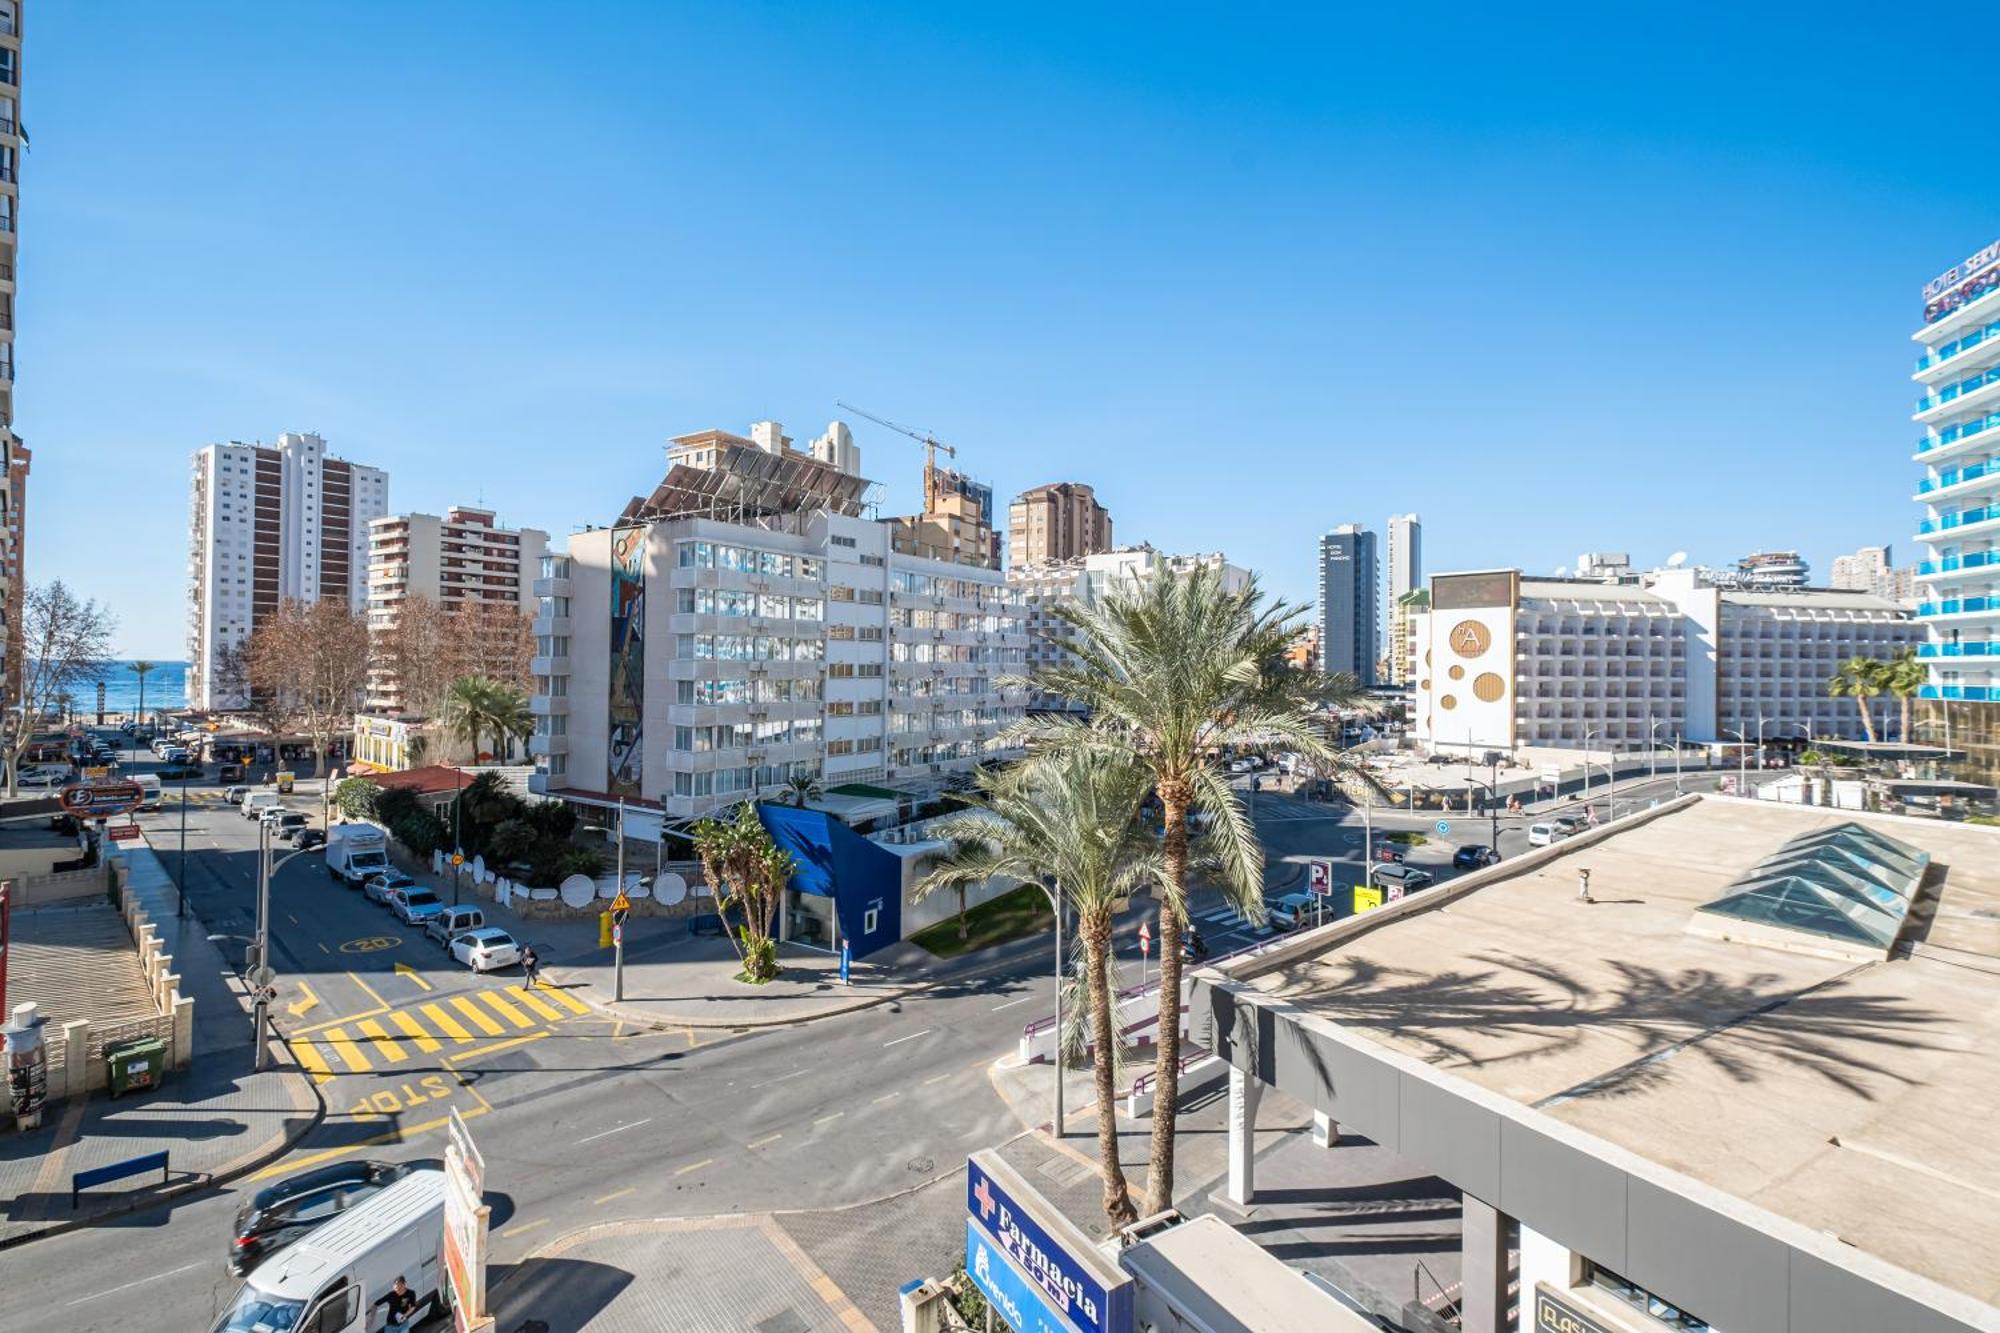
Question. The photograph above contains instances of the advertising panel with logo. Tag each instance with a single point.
(1064, 1284)
(1553, 1314)
(95, 800)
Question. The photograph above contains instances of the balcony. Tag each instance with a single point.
(553, 587)
(1952, 563)
(1965, 518)
(545, 705)
(539, 744)
(1982, 693)
(1965, 343)
(1959, 606)
(1952, 393)
(1945, 481)
(1951, 435)
(548, 666)
(1990, 649)
(551, 625)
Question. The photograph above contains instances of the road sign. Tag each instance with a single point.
(1048, 1275)
(622, 903)
(1145, 937)
(1366, 899)
(262, 976)
(1443, 827)
(1319, 877)
(458, 858)
(122, 832)
(617, 933)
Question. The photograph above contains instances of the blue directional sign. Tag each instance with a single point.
(1070, 1283)
(1443, 828)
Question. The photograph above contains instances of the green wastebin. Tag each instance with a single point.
(136, 1064)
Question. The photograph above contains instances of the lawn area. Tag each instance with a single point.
(1024, 911)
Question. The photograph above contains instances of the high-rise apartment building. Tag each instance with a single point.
(747, 623)
(1959, 586)
(267, 523)
(1404, 572)
(462, 559)
(1871, 569)
(1350, 585)
(1057, 522)
(1403, 619)
(1505, 661)
(13, 454)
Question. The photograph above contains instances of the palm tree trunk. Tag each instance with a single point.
(1167, 1061)
(1904, 734)
(1118, 1209)
(1867, 721)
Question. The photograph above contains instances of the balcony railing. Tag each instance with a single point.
(1964, 518)
(1963, 430)
(1957, 475)
(1958, 390)
(1974, 692)
(1991, 649)
(1977, 560)
(1958, 606)
(1946, 351)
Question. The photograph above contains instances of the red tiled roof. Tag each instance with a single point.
(423, 781)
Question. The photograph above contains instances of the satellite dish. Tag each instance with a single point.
(577, 891)
(670, 888)
(1677, 559)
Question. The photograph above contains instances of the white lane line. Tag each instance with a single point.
(796, 1073)
(1011, 1003)
(768, 1138)
(912, 1037)
(112, 1291)
(616, 1129)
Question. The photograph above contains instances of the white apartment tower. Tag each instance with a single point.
(266, 523)
(464, 558)
(748, 623)
(1958, 588)
(1405, 571)
(14, 456)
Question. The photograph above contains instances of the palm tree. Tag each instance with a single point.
(1905, 677)
(141, 669)
(1171, 672)
(510, 717)
(1070, 816)
(802, 788)
(477, 707)
(465, 709)
(1861, 679)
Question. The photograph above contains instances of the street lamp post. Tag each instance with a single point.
(1652, 748)
(1588, 733)
(457, 843)
(181, 876)
(1742, 755)
(261, 976)
(618, 936)
(1677, 763)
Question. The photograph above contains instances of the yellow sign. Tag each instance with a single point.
(371, 944)
(1366, 899)
(457, 859)
(624, 904)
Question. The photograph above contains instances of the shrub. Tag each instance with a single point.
(552, 819)
(581, 861)
(511, 841)
(420, 831)
(357, 797)
(392, 807)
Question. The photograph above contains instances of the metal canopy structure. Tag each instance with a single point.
(1848, 882)
(747, 484)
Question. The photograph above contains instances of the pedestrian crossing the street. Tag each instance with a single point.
(435, 1027)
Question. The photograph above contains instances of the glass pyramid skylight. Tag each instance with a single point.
(1848, 882)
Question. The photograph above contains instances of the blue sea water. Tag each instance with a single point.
(166, 687)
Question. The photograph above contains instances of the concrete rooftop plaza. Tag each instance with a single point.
(1851, 1097)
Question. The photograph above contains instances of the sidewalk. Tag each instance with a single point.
(217, 1119)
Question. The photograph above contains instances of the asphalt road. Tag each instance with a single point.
(580, 1120)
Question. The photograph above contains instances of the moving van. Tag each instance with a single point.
(331, 1281)
(356, 853)
(257, 802)
(149, 790)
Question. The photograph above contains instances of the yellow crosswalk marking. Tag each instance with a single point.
(385, 1045)
(424, 1040)
(349, 1053)
(547, 1011)
(477, 1015)
(506, 1010)
(446, 1023)
(564, 999)
(310, 1057)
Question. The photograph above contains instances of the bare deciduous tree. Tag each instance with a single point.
(421, 652)
(494, 640)
(310, 660)
(66, 641)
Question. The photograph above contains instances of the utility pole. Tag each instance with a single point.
(181, 880)
(1055, 901)
(1493, 800)
(618, 935)
(262, 976)
(457, 845)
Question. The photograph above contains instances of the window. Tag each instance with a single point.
(1603, 1279)
(842, 541)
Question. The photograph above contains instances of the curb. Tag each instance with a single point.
(231, 1172)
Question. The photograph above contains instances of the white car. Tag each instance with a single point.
(1546, 835)
(484, 949)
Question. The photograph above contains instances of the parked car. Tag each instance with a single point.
(1546, 835)
(177, 773)
(486, 948)
(1240, 766)
(1473, 856)
(309, 838)
(377, 888)
(255, 803)
(1409, 878)
(1572, 824)
(1391, 852)
(451, 922)
(414, 906)
(280, 1214)
(288, 825)
(44, 777)
(1294, 911)
(234, 795)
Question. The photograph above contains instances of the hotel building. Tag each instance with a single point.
(267, 523)
(462, 559)
(747, 623)
(1350, 587)
(1958, 587)
(1504, 660)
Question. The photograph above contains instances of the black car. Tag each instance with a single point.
(308, 838)
(296, 1205)
(1408, 878)
(1472, 856)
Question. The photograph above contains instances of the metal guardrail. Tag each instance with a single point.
(133, 1166)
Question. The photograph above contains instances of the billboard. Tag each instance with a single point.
(628, 660)
(465, 1218)
(1065, 1285)
(1968, 281)
(96, 800)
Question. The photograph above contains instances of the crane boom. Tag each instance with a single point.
(930, 442)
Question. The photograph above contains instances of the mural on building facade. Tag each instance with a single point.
(628, 659)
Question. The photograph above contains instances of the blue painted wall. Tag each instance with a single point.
(836, 862)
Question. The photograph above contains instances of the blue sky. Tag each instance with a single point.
(1561, 282)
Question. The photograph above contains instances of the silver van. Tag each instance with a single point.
(453, 921)
(331, 1281)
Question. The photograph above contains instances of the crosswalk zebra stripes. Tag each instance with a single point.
(360, 1045)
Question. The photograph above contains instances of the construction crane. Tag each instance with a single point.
(930, 442)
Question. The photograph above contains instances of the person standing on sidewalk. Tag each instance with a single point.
(531, 964)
